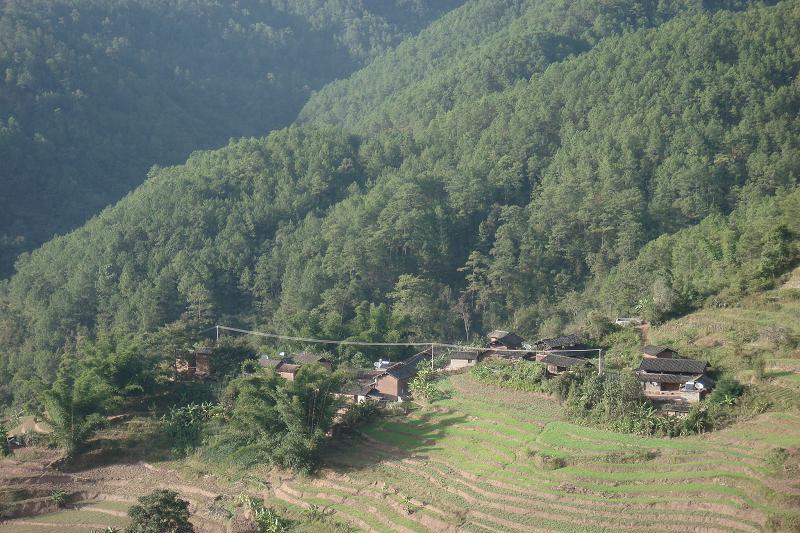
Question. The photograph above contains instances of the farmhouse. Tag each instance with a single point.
(305, 358)
(268, 362)
(287, 365)
(566, 342)
(288, 371)
(504, 340)
(666, 378)
(459, 360)
(558, 363)
(651, 351)
(392, 384)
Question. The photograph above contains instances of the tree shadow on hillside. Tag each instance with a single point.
(392, 438)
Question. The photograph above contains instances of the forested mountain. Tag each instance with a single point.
(94, 92)
(487, 46)
(654, 172)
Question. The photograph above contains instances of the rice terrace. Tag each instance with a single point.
(399, 266)
(481, 458)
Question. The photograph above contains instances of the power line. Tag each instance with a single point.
(368, 343)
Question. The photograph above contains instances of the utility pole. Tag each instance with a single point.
(600, 361)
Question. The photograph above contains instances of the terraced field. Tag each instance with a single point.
(493, 460)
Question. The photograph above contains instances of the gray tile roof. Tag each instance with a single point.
(563, 360)
(468, 356)
(673, 366)
(655, 350)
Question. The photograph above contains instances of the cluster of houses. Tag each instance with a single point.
(671, 381)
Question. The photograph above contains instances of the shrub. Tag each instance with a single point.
(726, 391)
(423, 388)
(183, 426)
(520, 375)
(5, 449)
(59, 496)
(161, 511)
(358, 414)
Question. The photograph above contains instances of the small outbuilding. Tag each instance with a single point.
(557, 364)
(462, 359)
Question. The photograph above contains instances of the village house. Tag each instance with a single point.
(674, 379)
(565, 342)
(504, 345)
(461, 359)
(360, 388)
(558, 363)
(203, 360)
(664, 352)
(392, 384)
(305, 358)
(504, 340)
(567, 345)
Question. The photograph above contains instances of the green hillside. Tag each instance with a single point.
(95, 92)
(649, 174)
(484, 47)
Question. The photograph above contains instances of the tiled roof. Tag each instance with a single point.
(289, 368)
(563, 360)
(307, 358)
(468, 356)
(272, 363)
(557, 342)
(673, 366)
(408, 368)
(655, 350)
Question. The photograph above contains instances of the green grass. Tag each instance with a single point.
(475, 453)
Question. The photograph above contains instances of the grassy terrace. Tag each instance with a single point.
(490, 459)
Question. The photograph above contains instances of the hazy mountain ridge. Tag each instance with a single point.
(94, 92)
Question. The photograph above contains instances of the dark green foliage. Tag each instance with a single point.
(423, 386)
(358, 414)
(74, 405)
(183, 426)
(520, 375)
(5, 449)
(96, 92)
(161, 511)
(655, 171)
(267, 419)
(726, 391)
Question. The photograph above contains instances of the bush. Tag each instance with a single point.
(183, 426)
(357, 415)
(161, 511)
(5, 449)
(520, 375)
(422, 387)
(59, 496)
(726, 391)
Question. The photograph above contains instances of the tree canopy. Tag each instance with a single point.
(652, 169)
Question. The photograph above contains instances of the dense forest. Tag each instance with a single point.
(613, 164)
(95, 92)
